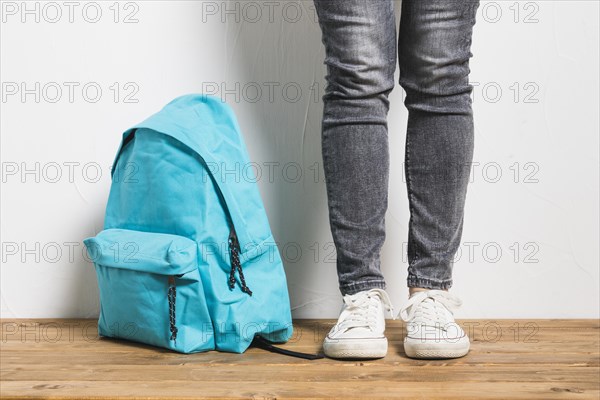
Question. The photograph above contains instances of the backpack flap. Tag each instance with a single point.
(148, 252)
(209, 128)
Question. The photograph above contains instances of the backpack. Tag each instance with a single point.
(186, 259)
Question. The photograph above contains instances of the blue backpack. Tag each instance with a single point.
(186, 259)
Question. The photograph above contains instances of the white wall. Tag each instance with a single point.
(534, 190)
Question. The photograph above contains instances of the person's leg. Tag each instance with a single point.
(360, 44)
(434, 51)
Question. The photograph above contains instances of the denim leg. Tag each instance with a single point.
(361, 55)
(434, 51)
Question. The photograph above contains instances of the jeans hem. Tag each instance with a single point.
(355, 287)
(427, 283)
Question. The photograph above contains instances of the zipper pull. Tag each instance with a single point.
(172, 295)
(234, 247)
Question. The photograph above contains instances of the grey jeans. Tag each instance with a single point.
(433, 50)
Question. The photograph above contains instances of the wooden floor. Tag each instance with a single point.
(526, 359)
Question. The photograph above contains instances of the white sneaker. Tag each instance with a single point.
(431, 329)
(359, 331)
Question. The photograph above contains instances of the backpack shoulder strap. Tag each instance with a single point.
(263, 343)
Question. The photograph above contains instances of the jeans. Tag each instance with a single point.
(433, 50)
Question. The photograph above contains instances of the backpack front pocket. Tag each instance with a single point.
(150, 289)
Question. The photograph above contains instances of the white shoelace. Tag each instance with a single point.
(360, 309)
(427, 306)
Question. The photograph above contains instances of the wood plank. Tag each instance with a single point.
(153, 389)
(560, 360)
(317, 373)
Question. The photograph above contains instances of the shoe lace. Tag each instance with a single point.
(429, 305)
(360, 308)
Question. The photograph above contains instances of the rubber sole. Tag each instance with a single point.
(355, 348)
(417, 348)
